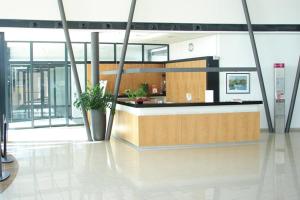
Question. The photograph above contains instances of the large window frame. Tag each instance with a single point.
(66, 63)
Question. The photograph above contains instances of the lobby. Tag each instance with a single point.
(146, 103)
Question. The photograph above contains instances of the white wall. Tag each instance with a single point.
(203, 46)
(234, 50)
(190, 11)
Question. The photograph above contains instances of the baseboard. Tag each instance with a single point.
(295, 129)
(263, 130)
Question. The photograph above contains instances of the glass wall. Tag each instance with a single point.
(75, 114)
(19, 92)
(48, 51)
(19, 51)
(155, 53)
(134, 52)
(106, 52)
(79, 51)
(41, 86)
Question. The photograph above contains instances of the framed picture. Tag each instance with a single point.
(238, 83)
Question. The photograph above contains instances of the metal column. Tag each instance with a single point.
(258, 66)
(95, 119)
(120, 70)
(95, 58)
(293, 100)
(73, 64)
(2, 80)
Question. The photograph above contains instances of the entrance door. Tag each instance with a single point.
(50, 99)
(19, 94)
(40, 95)
(59, 97)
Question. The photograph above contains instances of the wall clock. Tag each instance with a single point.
(191, 47)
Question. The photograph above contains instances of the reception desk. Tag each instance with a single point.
(170, 124)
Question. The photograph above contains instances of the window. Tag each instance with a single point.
(106, 52)
(19, 51)
(134, 52)
(48, 51)
(78, 49)
(155, 53)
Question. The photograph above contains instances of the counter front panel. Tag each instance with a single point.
(186, 125)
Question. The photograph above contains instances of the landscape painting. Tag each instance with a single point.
(238, 83)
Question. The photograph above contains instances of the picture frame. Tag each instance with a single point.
(238, 83)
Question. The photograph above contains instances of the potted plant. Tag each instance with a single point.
(137, 95)
(145, 87)
(96, 101)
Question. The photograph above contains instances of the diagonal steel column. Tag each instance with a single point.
(258, 66)
(293, 100)
(120, 70)
(73, 64)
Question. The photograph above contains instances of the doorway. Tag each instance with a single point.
(40, 95)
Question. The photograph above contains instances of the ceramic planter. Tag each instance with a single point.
(98, 125)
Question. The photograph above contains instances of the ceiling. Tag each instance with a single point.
(166, 37)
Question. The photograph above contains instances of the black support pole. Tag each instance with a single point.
(3, 173)
(258, 66)
(73, 64)
(293, 100)
(2, 81)
(120, 70)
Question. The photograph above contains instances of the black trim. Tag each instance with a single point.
(115, 52)
(213, 79)
(168, 52)
(143, 52)
(152, 105)
(147, 26)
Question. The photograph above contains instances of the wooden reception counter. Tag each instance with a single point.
(165, 124)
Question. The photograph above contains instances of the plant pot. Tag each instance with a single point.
(139, 100)
(98, 125)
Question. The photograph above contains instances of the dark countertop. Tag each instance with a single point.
(153, 105)
(152, 95)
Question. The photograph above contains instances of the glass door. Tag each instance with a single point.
(19, 94)
(58, 95)
(40, 95)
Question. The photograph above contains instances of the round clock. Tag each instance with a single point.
(191, 47)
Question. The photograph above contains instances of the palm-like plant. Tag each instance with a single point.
(94, 99)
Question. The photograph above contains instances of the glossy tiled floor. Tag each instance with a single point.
(266, 170)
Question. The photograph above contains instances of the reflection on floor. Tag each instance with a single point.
(44, 135)
(45, 122)
(265, 170)
(12, 168)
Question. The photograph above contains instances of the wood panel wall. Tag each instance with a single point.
(129, 81)
(178, 84)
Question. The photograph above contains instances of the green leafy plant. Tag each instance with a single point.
(139, 93)
(94, 99)
(145, 87)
